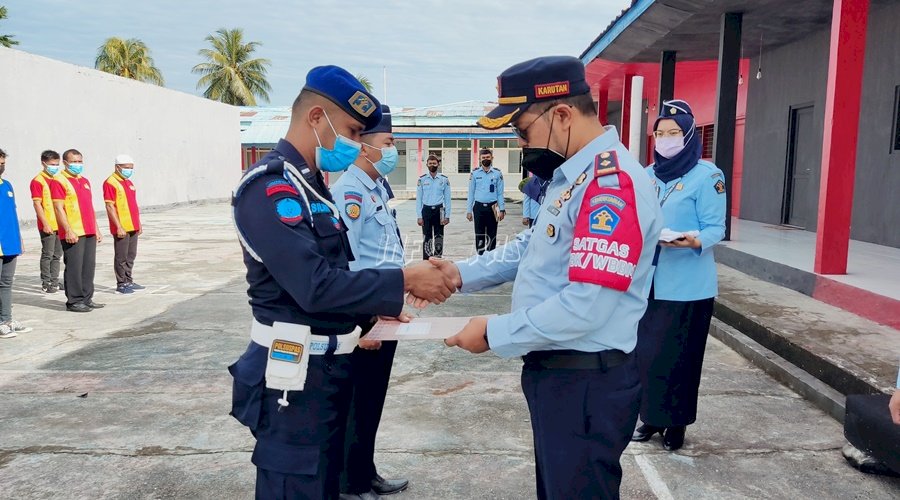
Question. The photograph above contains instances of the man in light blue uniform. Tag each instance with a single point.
(362, 195)
(433, 208)
(485, 202)
(582, 275)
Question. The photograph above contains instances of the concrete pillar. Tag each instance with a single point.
(666, 77)
(726, 103)
(625, 125)
(849, 21)
(636, 103)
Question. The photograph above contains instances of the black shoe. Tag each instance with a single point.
(673, 438)
(384, 486)
(79, 308)
(94, 305)
(369, 495)
(645, 432)
(135, 286)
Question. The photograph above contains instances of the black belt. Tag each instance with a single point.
(435, 206)
(486, 204)
(575, 360)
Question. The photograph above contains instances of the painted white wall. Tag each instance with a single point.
(186, 148)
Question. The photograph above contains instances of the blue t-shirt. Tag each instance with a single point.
(10, 237)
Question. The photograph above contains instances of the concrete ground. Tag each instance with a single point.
(132, 401)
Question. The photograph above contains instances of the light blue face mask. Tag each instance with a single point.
(388, 161)
(76, 168)
(338, 159)
(52, 169)
(126, 172)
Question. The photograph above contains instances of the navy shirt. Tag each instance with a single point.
(304, 277)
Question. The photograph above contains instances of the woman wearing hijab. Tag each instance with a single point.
(672, 334)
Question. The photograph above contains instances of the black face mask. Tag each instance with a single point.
(432, 169)
(542, 162)
(485, 163)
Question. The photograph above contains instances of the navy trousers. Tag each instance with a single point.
(582, 422)
(371, 374)
(299, 449)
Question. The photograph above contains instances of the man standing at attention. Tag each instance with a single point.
(485, 202)
(51, 247)
(124, 221)
(71, 194)
(433, 208)
(11, 247)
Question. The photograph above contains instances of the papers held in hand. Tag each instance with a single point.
(496, 212)
(417, 329)
(669, 236)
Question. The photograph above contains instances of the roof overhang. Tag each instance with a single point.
(691, 28)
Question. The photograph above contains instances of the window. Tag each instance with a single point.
(707, 133)
(486, 143)
(896, 135)
(449, 143)
(434, 144)
(464, 161)
(464, 144)
(501, 143)
(515, 161)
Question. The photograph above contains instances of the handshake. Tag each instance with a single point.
(433, 282)
(430, 282)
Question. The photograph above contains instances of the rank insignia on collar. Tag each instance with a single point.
(557, 203)
(679, 186)
(551, 230)
(566, 195)
(580, 180)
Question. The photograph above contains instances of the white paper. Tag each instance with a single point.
(669, 236)
(418, 329)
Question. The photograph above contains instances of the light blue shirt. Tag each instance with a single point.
(485, 187)
(433, 191)
(548, 311)
(693, 202)
(530, 208)
(373, 233)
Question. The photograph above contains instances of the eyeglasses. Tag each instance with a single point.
(522, 132)
(675, 132)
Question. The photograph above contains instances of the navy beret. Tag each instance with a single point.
(385, 126)
(340, 87)
(537, 80)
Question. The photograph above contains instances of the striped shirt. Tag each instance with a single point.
(119, 192)
(75, 192)
(40, 191)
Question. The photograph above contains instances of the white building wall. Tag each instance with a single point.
(186, 148)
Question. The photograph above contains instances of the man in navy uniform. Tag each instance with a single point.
(292, 386)
(433, 208)
(582, 275)
(485, 203)
(362, 197)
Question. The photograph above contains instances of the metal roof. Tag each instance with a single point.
(261, 126)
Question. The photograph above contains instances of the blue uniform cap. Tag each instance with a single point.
(343, 89)
(538, 80)
(383, 127)
(677, 110)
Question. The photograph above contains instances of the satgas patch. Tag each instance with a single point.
(289, 210)
(282, 350)
(720, 186)
(362, 104)
(353, 210)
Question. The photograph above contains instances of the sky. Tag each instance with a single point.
(434, 51)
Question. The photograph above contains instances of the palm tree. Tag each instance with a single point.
(128, 58)
(6, 40)
(229, 74)
(366, 83)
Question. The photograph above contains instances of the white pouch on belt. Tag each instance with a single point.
(288, 360)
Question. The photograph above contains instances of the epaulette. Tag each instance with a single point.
(606, 163)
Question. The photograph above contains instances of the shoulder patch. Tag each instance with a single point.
(290, 211)
(720, 186)
(277, 186)
(353, 196)
(353, 210)
(713, 176)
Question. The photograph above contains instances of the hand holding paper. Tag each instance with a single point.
(473, 337)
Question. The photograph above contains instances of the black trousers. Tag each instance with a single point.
(51, 253)
(433, 243)
(582, 422)
(81, 260)
(671, 343)
(485, 227)
(371, 373)
(125, 252)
